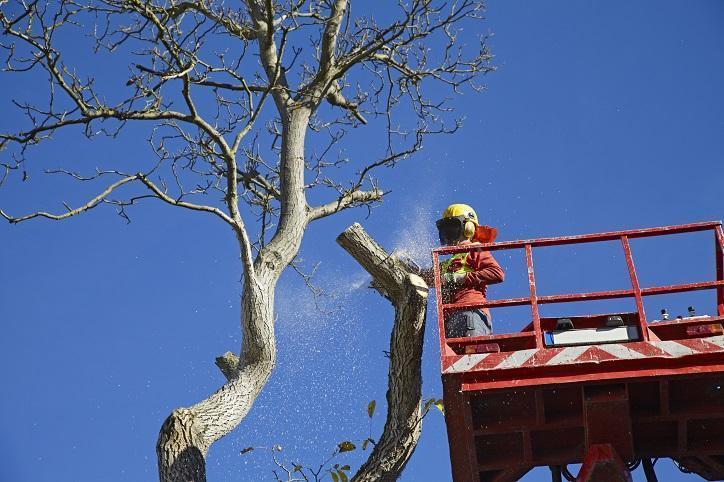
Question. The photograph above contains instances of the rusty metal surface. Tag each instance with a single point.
(636, 287)
(533, 296)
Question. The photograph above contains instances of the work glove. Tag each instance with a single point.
(453, 280)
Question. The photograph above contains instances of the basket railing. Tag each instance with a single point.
(635, 291)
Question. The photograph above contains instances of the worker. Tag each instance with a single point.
(465, 276)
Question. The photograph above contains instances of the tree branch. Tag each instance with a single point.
(177, 202)
(234, 28)
(72, 212)
(408, 293)
(228, 363)
(263, 17)
(329, 40)
(336, 98)
(347, 200)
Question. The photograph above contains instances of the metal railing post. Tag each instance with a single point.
(533, 297)
(643, 326)
(719, 251)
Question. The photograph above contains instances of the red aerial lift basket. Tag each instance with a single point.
(604, 390)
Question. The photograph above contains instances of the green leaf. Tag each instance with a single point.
(346, 446)
(428, 404)
(440, 406)
(335, 477)
(344, 467)
(371, 408)
(246, 450)
(343, 477)
(366, 442)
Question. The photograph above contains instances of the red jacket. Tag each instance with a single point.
(481, 270)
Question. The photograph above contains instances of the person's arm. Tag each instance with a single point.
(486, 271)
(449, 280)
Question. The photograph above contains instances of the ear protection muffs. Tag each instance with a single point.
(469, 229)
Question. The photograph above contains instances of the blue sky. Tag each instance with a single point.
(601, 116)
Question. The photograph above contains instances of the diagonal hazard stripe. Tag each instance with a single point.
(493, 360)
(596, 354)
(717, 341)
(698, 344)
(585, 353)
(542, 357)
(518, 358)
(466, 362)
(567, 355)
(675, 349)
(648, 349)
(447, 361)
(621, 351)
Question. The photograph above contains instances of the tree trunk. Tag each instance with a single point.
(187, 433)
(408, 293)
(181, 448)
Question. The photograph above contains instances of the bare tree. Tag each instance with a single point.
(229, 94)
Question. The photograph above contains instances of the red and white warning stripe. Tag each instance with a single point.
(582, 354)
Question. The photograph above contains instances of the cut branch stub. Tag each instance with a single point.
(228, 363)
(408, 293)
(388, 273)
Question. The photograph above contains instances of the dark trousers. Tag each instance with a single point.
(467, 323)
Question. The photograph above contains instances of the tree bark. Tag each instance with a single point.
(408, 293)
(181, 448)
(187, 433)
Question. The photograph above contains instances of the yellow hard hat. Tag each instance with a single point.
(455, 210)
